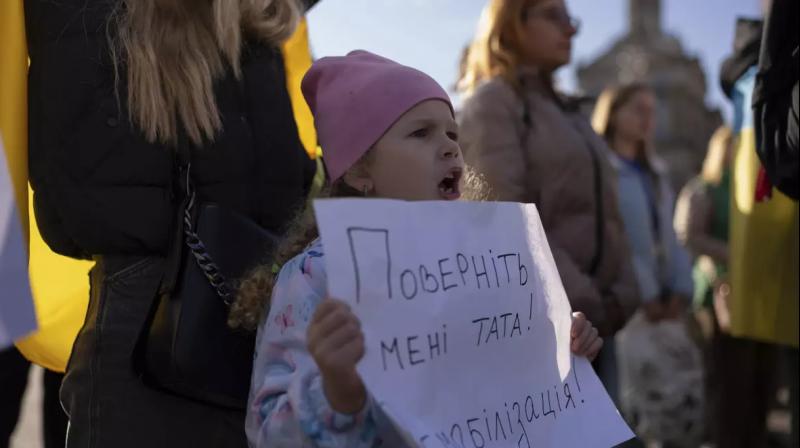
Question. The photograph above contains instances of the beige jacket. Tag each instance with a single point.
(549, 163)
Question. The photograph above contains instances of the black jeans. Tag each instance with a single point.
(107, 402)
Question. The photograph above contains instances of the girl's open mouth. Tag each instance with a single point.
(449, 186)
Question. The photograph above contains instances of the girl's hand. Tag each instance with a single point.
(585, 339)
(336, 343)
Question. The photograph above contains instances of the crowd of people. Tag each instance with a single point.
(159, 103)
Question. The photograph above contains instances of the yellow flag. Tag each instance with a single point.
(763, 255)
(13, 99)
(297, 58)
(60, 285)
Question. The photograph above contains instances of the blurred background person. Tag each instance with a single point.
(764, 249)
(776, 109)
(625, 118)
(533, 146)
(776, 97)
(660, 367)
(702, 221)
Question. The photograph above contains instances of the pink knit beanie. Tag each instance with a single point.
(356, 98)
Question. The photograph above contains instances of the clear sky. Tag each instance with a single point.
(429, 34)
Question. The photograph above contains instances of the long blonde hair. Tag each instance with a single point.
(254, 291)
(496, 49)
(719, 147)
(172, 51)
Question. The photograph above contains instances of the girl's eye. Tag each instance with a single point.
(452, 136)
(420, 133)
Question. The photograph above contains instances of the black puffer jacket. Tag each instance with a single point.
(99, 187)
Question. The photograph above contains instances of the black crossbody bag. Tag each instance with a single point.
(186, 347)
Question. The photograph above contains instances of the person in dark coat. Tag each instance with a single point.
(115, 89)
(760, 298)
(776, 104)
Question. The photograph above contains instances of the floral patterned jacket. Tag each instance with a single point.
(287, 406)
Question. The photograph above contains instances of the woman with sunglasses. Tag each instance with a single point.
(533, 146)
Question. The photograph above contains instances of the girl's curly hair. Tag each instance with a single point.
(255, 289)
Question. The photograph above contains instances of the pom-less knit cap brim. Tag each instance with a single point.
(356, 98)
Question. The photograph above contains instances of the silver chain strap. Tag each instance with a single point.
(201, 255)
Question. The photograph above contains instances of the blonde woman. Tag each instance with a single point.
(625, 117)
(533, 146)
(116, 88)
(660, 366)
(701, 219)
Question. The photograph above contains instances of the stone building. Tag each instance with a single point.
(647, 53)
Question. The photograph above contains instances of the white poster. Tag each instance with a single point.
(466, 322)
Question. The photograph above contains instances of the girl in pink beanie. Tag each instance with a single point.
(387, 131)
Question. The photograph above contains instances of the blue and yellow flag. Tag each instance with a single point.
(59, 284)
(763, 243)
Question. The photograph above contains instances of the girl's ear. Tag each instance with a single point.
(358, 178)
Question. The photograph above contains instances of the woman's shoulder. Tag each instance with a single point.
(694, 195)
(695, 187)
(49, 21)
(614, 160)
(496, 84)
(493, 90)
(492, 100)
(663, 174)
